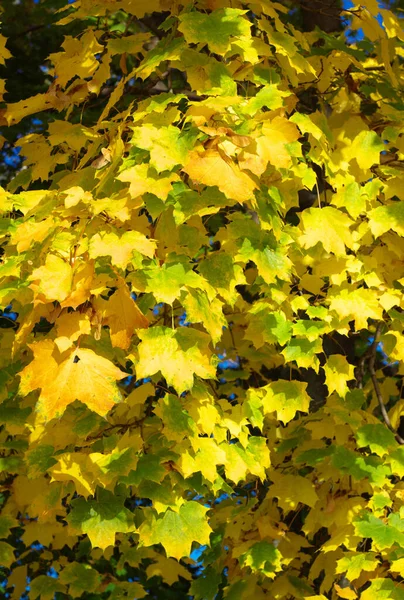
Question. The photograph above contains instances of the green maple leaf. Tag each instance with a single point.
(222, 274)
(383, 589)
(7, 556)
(303, 352)
(177, 421)
(168, 147)
(100, 518)
(360, 467)
(268, 326)
(177, 530)
(6, 523)
(206, 586)
(263, 557)
(215, 29)
(167, 281)
(383, 535)
(384, 218)
(376, 435)
(354, 563)
(148, 468)
(45, 587)
(80, 578)
(269, 96)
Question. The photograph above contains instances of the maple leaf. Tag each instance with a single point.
(81, 375)
(122, 315)
(272, 145)
(383, 534)
(286, 397)
(100, 518)
(269, 96)
(383, 218)
(337, 372)
(215, 29)
(45, 587)
(7, 556)
(121, 248)
(80, 578)
(213, 168)
(354, 564)
(142, 179)
(210, 314)
(78, 58)
(177, 530)
(357, 304)
(178, 354)
(54, 279)
(263, 557)
(382, 588)
(329, 226)
(377, 437)
(167, 146)
(292, 489)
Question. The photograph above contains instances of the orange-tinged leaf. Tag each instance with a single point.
(121, 313)
(83, 274)
(69, 327)
(81, 375)
(211, 168)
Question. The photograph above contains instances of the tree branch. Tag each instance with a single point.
(376, 386)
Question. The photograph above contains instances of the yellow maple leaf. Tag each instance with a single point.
(81, 375)
(121, 249)
(83, 274)
(74, 466)
(78, 58)
(69, 327)
(208, 454)
(359, 305)
(53, 280)
(179, 354)
(337, 372)
(272, 144)
(329, 226)
(167, 568)
(347, 593)
(141, 181)
(212, 168)
(121, 313)
(292, 489)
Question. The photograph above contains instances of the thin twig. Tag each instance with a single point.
(376, 386)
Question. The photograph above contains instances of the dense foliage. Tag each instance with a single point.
(202, 265)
